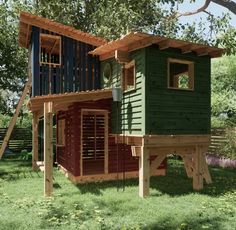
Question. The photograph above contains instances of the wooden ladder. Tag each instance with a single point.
(14, 118)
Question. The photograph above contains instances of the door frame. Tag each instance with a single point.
(106, 130)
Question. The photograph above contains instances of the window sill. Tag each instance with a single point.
(180, 89)
(129, 90)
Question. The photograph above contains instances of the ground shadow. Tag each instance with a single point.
(175, 183)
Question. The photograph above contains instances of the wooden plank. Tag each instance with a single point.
(66, 54)
(35, 61)
(197, 172)
(157, 162)
(30, 19)
(188, 164)
(36, 104)
(80, 66)
(48, 149)
(35, 143)
(70, 65)
(144, 173)
(15, 115)
(104, 177)
(76, 67)
(47, 80)
(57, 80)
(90, 68)
(165, 44)
(83, 65)
(106, 143)
(122, 56)
(97, 83)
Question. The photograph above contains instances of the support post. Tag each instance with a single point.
(48, 149)
(198, 172)
(144, 172)
(35, 156)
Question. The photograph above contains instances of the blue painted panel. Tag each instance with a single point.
(90, 69)
(97, 73)
(58, 80)
(70, 64)
(35, 61)
(76, 80)
(65, 54)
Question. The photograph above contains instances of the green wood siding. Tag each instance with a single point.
(173, 111)
(131, 110)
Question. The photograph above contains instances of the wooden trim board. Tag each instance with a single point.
(105, 177)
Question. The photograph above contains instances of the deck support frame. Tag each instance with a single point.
(191, 148)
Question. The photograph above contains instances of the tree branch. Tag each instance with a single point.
(201, 9)
(229, 4)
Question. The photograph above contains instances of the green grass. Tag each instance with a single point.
(172, 203)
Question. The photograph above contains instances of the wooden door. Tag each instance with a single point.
(94, 142)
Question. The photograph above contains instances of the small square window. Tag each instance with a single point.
(50, 49)
(180, 74)
(129, 76)
(61, 132)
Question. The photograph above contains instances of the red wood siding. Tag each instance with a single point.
(69, 155)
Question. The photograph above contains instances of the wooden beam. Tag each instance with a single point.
(14, 118)
(35, 122)
(216, 53)
(157, 161)
(48, 149)
(198, 172)
(36, 103)
(122, 56)
(61, 29)
(186, 48)
(144, 173)
(188, 164)
(164, 44)
(106, 142)
(203, 51)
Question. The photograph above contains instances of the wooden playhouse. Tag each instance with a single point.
(163, 88)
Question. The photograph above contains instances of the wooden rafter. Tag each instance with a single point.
(186, 48)
(33, 20)
(137, 40)
(36, 103)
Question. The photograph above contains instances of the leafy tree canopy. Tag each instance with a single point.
(109, 19)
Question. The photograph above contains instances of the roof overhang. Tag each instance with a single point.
(62, 101)
(137, 40)
(28, 20)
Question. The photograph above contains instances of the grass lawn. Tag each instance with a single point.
(172, 203)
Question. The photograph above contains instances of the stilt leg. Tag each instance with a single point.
(35, 121)
(188, 164)
(206, 173)
(48, 149)
(144, 173)
(198, 172)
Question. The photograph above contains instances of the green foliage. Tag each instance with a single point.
(25, 155)
(224, 90)
(24, 121)
(228, 149)
(172, 203)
